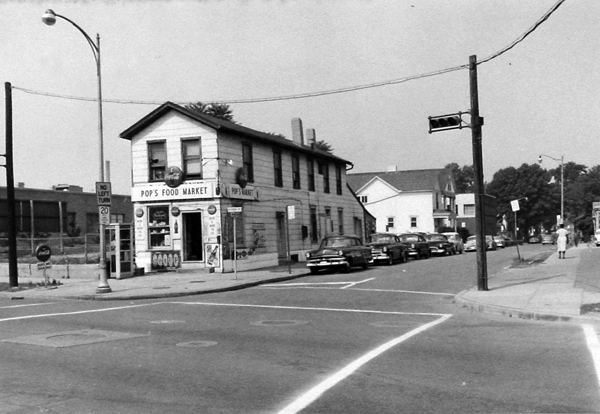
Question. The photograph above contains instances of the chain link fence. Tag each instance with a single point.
(83, 249)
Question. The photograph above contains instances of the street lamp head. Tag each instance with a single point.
(49, 17)
(540, 159)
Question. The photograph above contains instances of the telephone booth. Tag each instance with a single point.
(121, 250)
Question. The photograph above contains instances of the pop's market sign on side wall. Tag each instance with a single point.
(162, 192)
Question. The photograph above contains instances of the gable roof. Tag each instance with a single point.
(410, 180)
(221, 124)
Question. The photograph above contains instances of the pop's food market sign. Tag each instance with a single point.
(161, 191)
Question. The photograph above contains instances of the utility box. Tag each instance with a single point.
(121, 250)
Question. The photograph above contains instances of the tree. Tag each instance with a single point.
(217, 110)
(463, 177)
(528, 181)
(323, 146)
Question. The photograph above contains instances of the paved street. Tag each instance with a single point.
(385, 340)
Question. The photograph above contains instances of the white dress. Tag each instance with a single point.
(561, 241)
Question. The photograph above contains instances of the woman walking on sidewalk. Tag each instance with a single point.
(561, 241)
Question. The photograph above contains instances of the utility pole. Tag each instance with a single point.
(476, 123)
(13, 276)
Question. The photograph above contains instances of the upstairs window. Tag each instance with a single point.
(157, 161)
(338, 180)
(192, 158)
(310, 167)
(277, 169)
(295, 172)
(247, 161)
(324, 171)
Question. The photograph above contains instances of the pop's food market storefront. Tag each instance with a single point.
(177, 224)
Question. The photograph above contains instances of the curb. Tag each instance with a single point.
(518, 313)
(146, 296)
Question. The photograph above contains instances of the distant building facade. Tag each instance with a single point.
(407, 201)
(465, 213)
(41, 211)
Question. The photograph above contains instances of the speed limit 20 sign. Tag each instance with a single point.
(104, 212)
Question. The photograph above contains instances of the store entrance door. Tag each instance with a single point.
(192, 237)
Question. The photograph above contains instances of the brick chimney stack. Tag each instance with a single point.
(311, 137)
(297, 131)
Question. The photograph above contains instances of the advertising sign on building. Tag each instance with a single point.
(160, 191)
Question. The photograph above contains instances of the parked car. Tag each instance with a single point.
(500, 241)
(597, 238)
(471, 244)
(534, 239)
(548, 238)
(416, 244)
(339, 252)
(439, 244)
(387, 247)
(455, 238)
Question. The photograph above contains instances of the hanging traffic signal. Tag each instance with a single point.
(445, 122)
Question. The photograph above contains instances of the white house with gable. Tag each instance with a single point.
(408, 201)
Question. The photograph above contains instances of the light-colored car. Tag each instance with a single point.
(547, 238)
(500, 242)
(597, 237)
(471, 244)
(455, 238)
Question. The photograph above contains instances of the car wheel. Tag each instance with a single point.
(365, 265)
(346, 268)
(390, 260)
(404, 257)
(314, 270)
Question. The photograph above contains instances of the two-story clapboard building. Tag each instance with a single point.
(205, 189)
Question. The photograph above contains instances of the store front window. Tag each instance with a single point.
(158, 227)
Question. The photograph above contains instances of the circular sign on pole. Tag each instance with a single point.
(43, 253)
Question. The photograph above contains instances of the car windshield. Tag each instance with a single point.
(436, 237)
(382, 238)
(471, 238)
(338, 242)
(410, 238)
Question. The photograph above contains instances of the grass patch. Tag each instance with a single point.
(5, 286)
(533, 261)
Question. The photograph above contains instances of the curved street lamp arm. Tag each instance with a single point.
(95, 48)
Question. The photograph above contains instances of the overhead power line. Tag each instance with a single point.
(320, 93)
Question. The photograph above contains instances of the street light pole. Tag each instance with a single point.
(49, 18)
(562, 183)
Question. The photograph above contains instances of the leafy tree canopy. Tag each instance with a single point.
(463, 177)
(218, 110)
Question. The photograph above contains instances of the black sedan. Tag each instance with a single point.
(386, 248)
(416, 244)
(439, 244)
(340, 253)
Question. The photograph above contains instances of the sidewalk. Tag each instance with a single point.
(161, 285)
(555, 290)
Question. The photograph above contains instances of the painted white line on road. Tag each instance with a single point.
(239, 305)
(24, 306)
(406, 291)
(593, 345)
(45, 315)
(314, 393)
(356, 283)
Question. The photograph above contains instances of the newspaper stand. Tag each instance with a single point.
(121, 250)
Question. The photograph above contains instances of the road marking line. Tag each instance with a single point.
(407, 291)
(315, 393)
(315, 309)
(23, 306)
(16, 318)
(593, 345)
(356, 283)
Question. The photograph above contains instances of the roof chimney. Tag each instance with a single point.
(392, 168)
(297, 134)
(311, 137)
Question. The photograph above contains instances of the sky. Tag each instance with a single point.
(540, 97)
